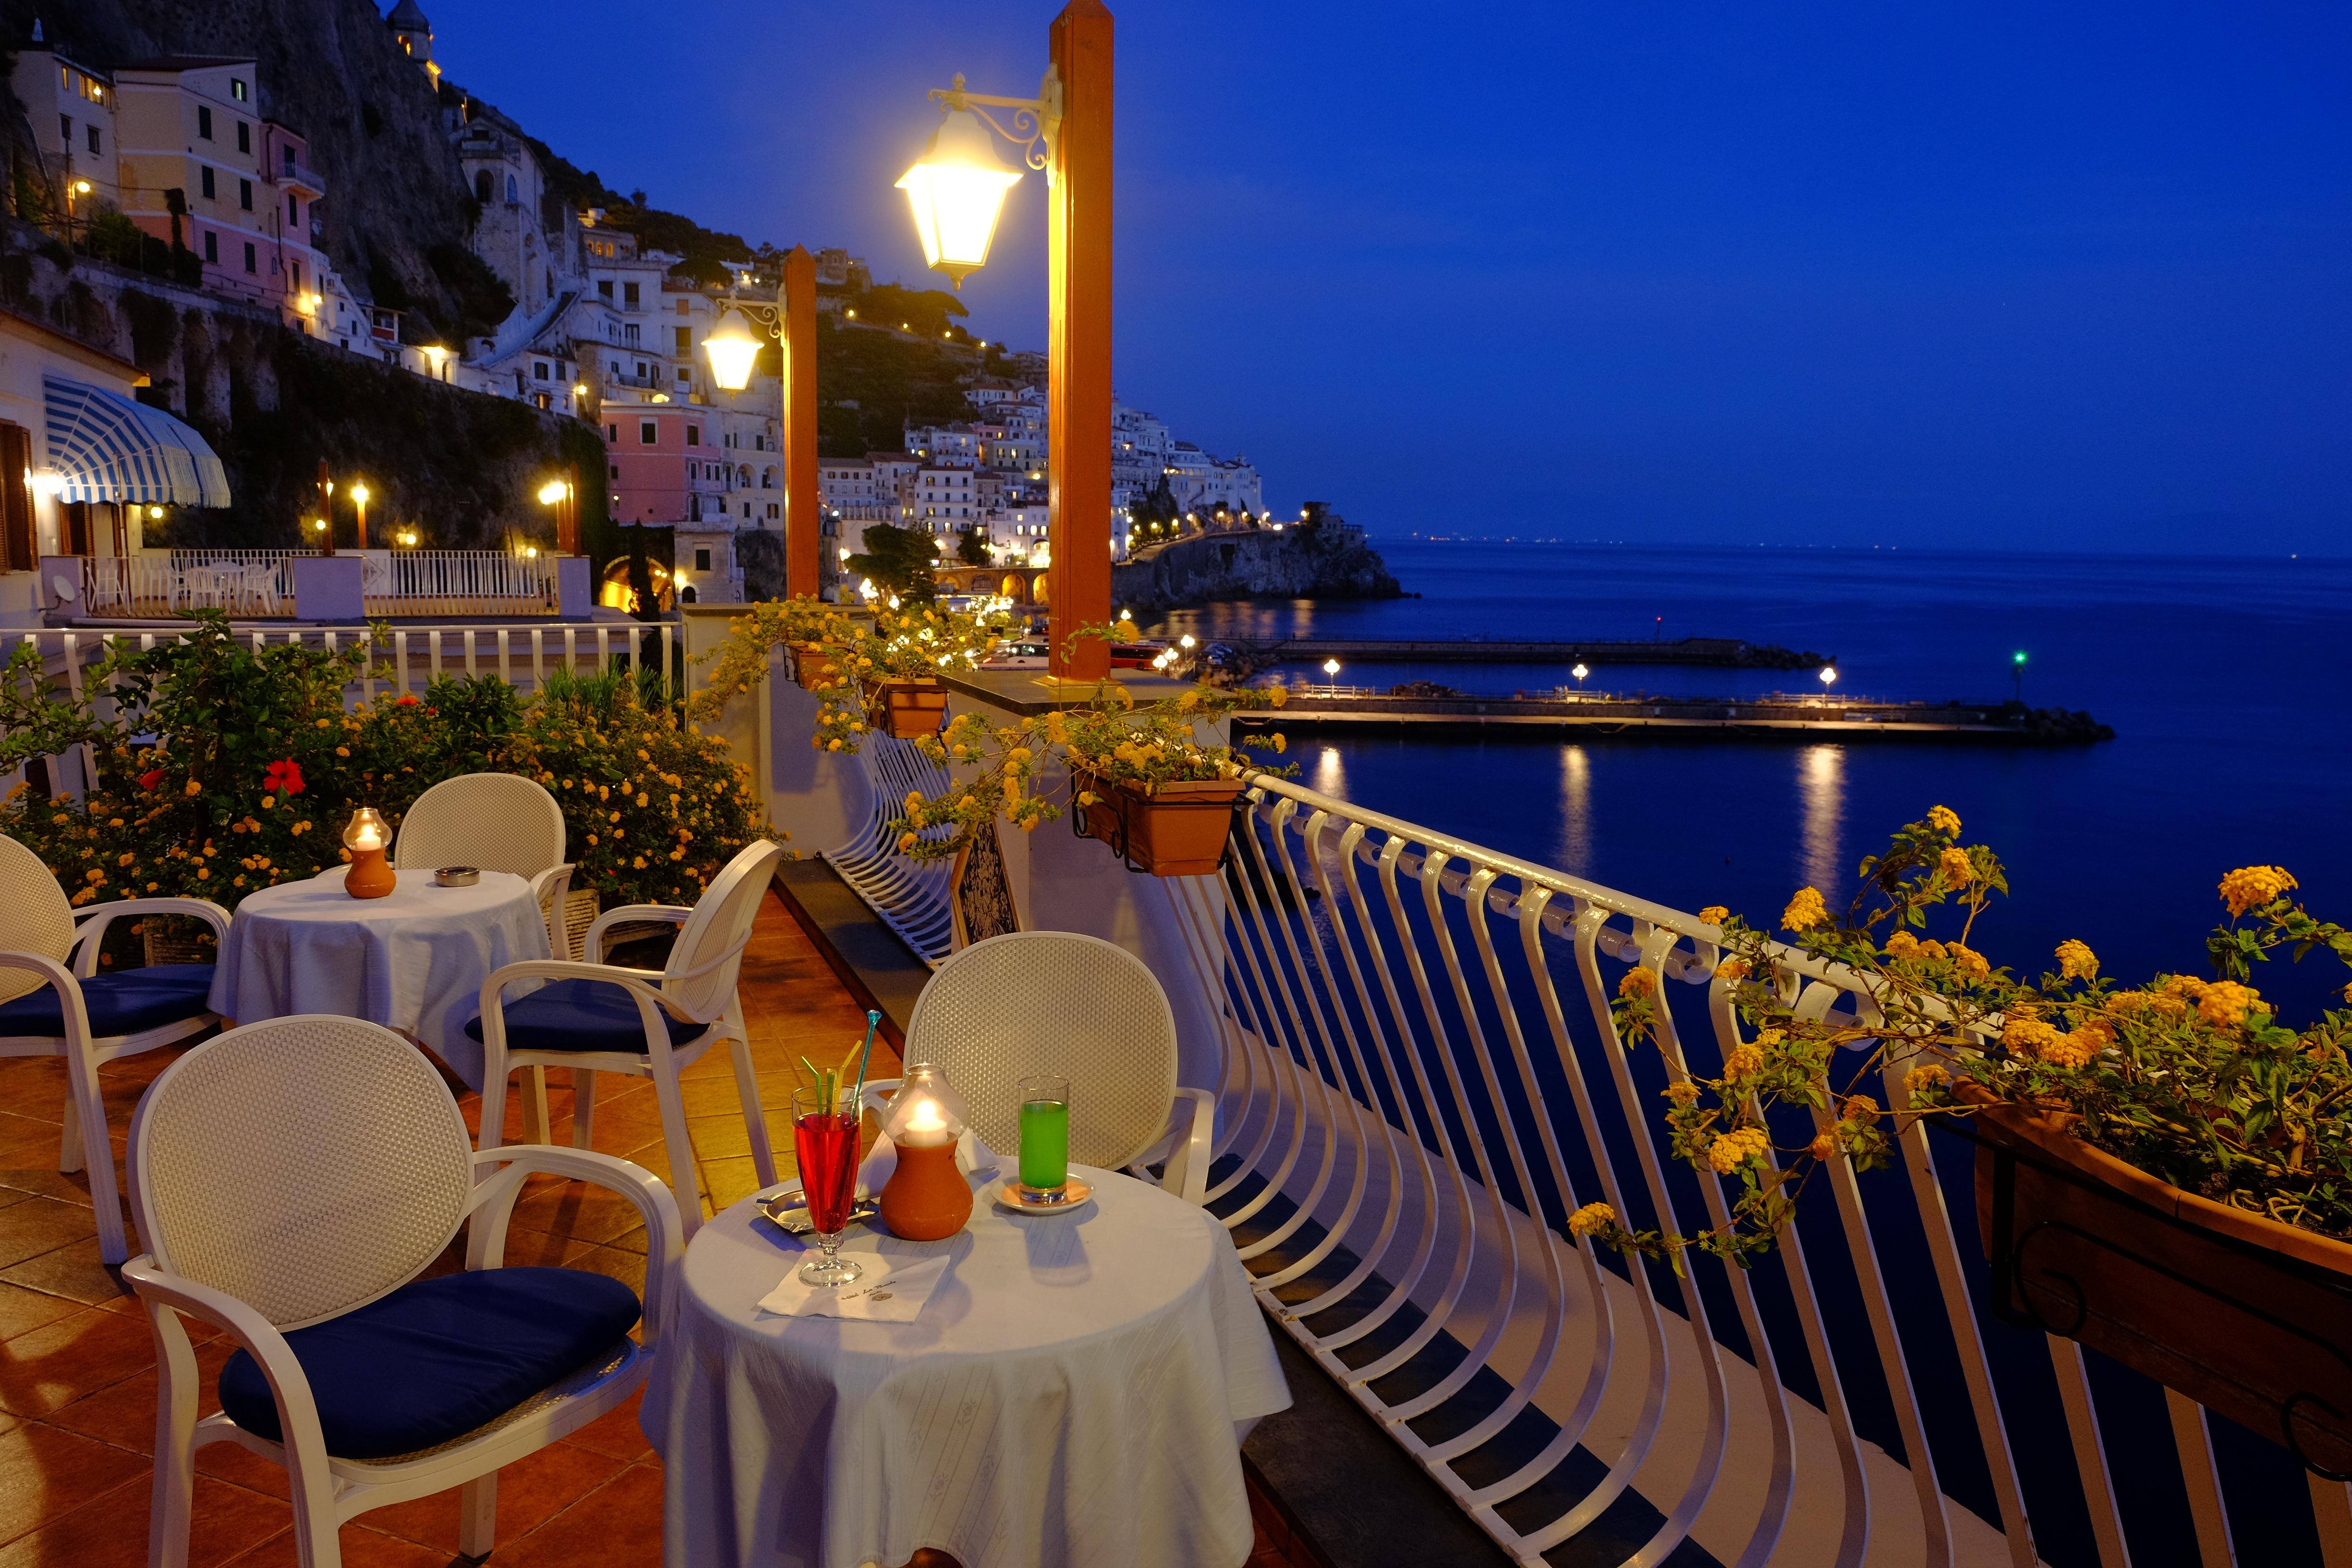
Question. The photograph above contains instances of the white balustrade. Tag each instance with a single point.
(247, 584)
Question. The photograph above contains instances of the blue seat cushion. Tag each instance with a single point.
(123, 1003)
(582, 1016)
(439, 1357)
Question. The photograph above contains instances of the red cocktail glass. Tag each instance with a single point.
(824, 1140)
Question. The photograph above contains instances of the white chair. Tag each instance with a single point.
(599, 1017)
(498, 822)
(297, 1223)
(1054, 1003)
(88, 1019)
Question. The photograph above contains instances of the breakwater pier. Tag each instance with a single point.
(1728, 653)
(1313, 707)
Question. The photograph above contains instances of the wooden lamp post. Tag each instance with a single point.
(957, 190)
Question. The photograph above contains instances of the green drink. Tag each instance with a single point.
(1045, 1138)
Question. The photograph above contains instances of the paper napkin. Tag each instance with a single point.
(891, 1291)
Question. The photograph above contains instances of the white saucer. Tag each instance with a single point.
(1008, 1197)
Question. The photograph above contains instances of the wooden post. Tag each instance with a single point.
(796, 302)
(325, 511)
(1079, 410)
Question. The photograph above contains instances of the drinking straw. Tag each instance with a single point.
(873, 1017)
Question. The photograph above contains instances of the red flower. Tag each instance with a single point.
(151, 778)
(404, 700)
(283, 778)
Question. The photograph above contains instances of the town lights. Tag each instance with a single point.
(733, 350)
(434, 356)
(1579, 672)
(956, 188)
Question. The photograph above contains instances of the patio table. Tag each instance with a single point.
(1073, 1392)
(413, 959)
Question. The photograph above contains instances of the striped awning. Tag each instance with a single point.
(105, 446)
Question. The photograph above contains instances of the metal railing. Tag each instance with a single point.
(1421, 1080)
(908, 896)
(260, 583)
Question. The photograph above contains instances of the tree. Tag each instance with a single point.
(971, 547)
(899, 559)
(761, 552)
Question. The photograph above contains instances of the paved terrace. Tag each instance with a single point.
(77, 1364)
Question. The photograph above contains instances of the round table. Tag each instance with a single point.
(1072, 1393)
(413, 959)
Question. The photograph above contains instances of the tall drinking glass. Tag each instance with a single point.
(1045, 1140)
(824, 1140)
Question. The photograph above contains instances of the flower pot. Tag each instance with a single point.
(812, 665)
(1176, 829)
(2249, 1317)
(906, 710)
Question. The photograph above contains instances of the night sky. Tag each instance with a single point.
(1999, 276)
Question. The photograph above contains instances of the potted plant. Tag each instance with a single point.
(876, 670)
(2163, 1171)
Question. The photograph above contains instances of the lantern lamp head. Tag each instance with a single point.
(957, 190)
(733, 350)
(1829, 675)
(366, 830)
(927, 1109)
(1331, 666)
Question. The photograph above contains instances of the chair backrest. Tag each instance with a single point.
(500, 821)
(305, 1166)
(1053, 1002)
(719, 928)
(34, 916)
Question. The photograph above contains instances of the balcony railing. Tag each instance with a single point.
(248, 583)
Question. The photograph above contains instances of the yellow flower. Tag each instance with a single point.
(2027, 1037)
(1824, 1145)
(2069, 1051)
(1805, 911)
(1902, 944)
(1737, 1148)
(1639, 982)
(1944, 820)
(1745, 1061)
(1922, 1079)
(342, 751)
(195, 788)
(1968, 960)
(326, 724)
(1276, 696)
(2246, 887)
(906, 842)
(1714, 915)
(1282, 743)
(914, 800)
(1590, 1218)
(2227, 1003)
(1681, 1091)
(2077, 961)
(1861, 1110)
(1732, 969)
(1953, 864)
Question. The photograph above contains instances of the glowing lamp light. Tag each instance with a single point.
(957, 189)
(1829, 675)
(1185, 641)
(154, 511)
(81, 187)
(51, 484)
(359, 494)
(552, 492)
(732, 350)
(1579, 672)
(844, 553)
(367, 837)
(1331, 667)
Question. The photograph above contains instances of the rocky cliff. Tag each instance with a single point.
(1299, 562)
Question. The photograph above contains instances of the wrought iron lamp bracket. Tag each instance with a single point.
(1036, 122)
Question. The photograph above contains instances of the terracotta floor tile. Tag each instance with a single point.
(47, 1182)
(123, 1414)
(361, 1548)
(112, 1529)
(531, 1491)
(616, 1431)
(45, 1370)
(618, 1525)
(72, 1271)
(227, 1462)
(577, 1210)
(47, 1472)
(42, 1225)
(22, 1310)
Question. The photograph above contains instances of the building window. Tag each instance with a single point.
(629, 334)
(65, 128)
(604, 287)
(512, 200)
(203, 122)
(237, 88)
(212, 247)
(648, 432)
(244, 137)
(293, 218)
(775, 510)
(482, 186)
(296, 268)
(93, 141)
(204, 182)
(694, 435)
(629, 294)
(613, 436)
(685, 339)
(249, 259)
(245, 194)
(616, 470)
(701, 559)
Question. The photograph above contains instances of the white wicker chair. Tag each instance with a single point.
(599, 1017)
(498, 822)
(88, 1019)
(1056, 1003)
(299, 1229)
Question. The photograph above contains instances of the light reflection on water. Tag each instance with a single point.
(1821, 787)
(1575, 811)
(1330, 776)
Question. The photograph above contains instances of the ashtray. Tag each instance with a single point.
(789, 1211)
(457, 876)
(1075, 1195)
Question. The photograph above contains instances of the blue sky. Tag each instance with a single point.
(2005, 276)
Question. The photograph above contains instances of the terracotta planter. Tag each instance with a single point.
(2249, 1317)
(811, 663)
(1175, 830)
(906, 710)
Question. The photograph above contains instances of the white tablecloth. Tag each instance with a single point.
(1068, 1399)
(413, 959)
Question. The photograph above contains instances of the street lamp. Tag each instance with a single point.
(2017, 672)
(732, 350)
(358, 504)
(1331, 669)
(956, 191)
(436, 356)
(1829, 676)
(745, 325)
(1579, 672)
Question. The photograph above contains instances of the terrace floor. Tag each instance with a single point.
(77, 1365)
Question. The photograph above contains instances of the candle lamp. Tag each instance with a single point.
(367, 837)
(927, 1197)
